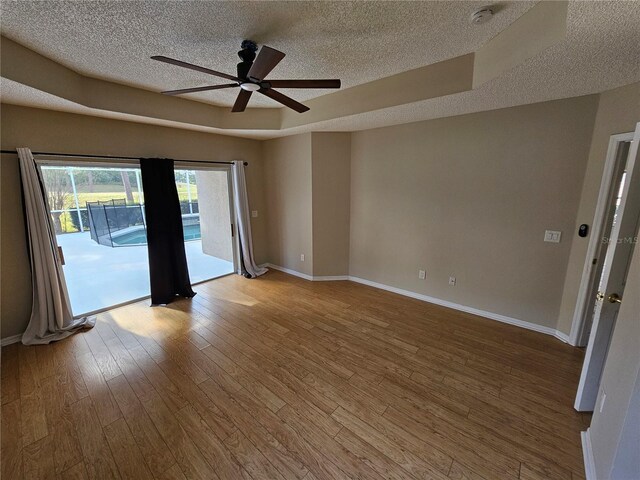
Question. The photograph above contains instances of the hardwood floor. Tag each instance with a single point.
(279, 378)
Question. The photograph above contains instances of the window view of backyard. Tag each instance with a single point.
(99, 220)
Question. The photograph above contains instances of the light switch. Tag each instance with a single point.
(254, 213)
(552, 236)
(422, 274)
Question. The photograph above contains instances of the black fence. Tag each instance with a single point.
(107, 218)
(189, 207)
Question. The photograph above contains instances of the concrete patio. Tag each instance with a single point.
(98, 276)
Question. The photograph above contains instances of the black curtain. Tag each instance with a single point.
(165, 238)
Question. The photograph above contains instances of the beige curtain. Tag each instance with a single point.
(51, 317)
(243, 221)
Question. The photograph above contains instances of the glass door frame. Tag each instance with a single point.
(43, 160)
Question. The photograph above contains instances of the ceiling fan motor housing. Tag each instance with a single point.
(247, 54)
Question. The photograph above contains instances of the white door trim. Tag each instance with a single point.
(584, 304)
(587, 454)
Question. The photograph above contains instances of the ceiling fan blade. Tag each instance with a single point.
(267, 60)
(241, 101)
(284, 100)
(199, 89)
(304, 83)
(197, 68)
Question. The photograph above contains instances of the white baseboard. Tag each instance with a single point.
(9, 340)
(562, 337)
(295, 273)
(314, 278)
(456, 306)
(437, 301)
(330, 278)
(587, 453)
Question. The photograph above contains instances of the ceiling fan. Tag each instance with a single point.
(251, 77)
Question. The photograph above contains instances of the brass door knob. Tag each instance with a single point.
(615, 298)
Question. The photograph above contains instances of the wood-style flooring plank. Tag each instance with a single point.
(11, 440)
(98, 390)
(98, 458)
(66, 447)
(10, 374)
(34, 419)
(38, 459)
(155, 451)
(125, 451)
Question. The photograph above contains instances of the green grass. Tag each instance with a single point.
(116, 192)
(67, 224)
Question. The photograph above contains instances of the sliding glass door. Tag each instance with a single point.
(99, 220)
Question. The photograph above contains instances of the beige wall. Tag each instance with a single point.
(307, 191)
(331, 172)
(619, 376)
(15, 276)
(45, 130)
(471, 197)
(618, 112)
(287, 178)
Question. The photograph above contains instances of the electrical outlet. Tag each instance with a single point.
(422, 274)
(302, 257)
(254, 213)
(452, 281)
(552, 236)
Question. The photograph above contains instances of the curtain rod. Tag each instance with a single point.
(78, 155)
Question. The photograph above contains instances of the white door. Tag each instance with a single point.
(614, 273)
(597, 248)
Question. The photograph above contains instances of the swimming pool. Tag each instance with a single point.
(139, 236)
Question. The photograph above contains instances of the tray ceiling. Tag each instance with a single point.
(355, 41)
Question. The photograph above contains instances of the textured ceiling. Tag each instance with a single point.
(601, 52)
(354, 41)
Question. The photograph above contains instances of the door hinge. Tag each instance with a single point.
(61, 255)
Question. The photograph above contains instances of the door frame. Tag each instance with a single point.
(578, 335)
